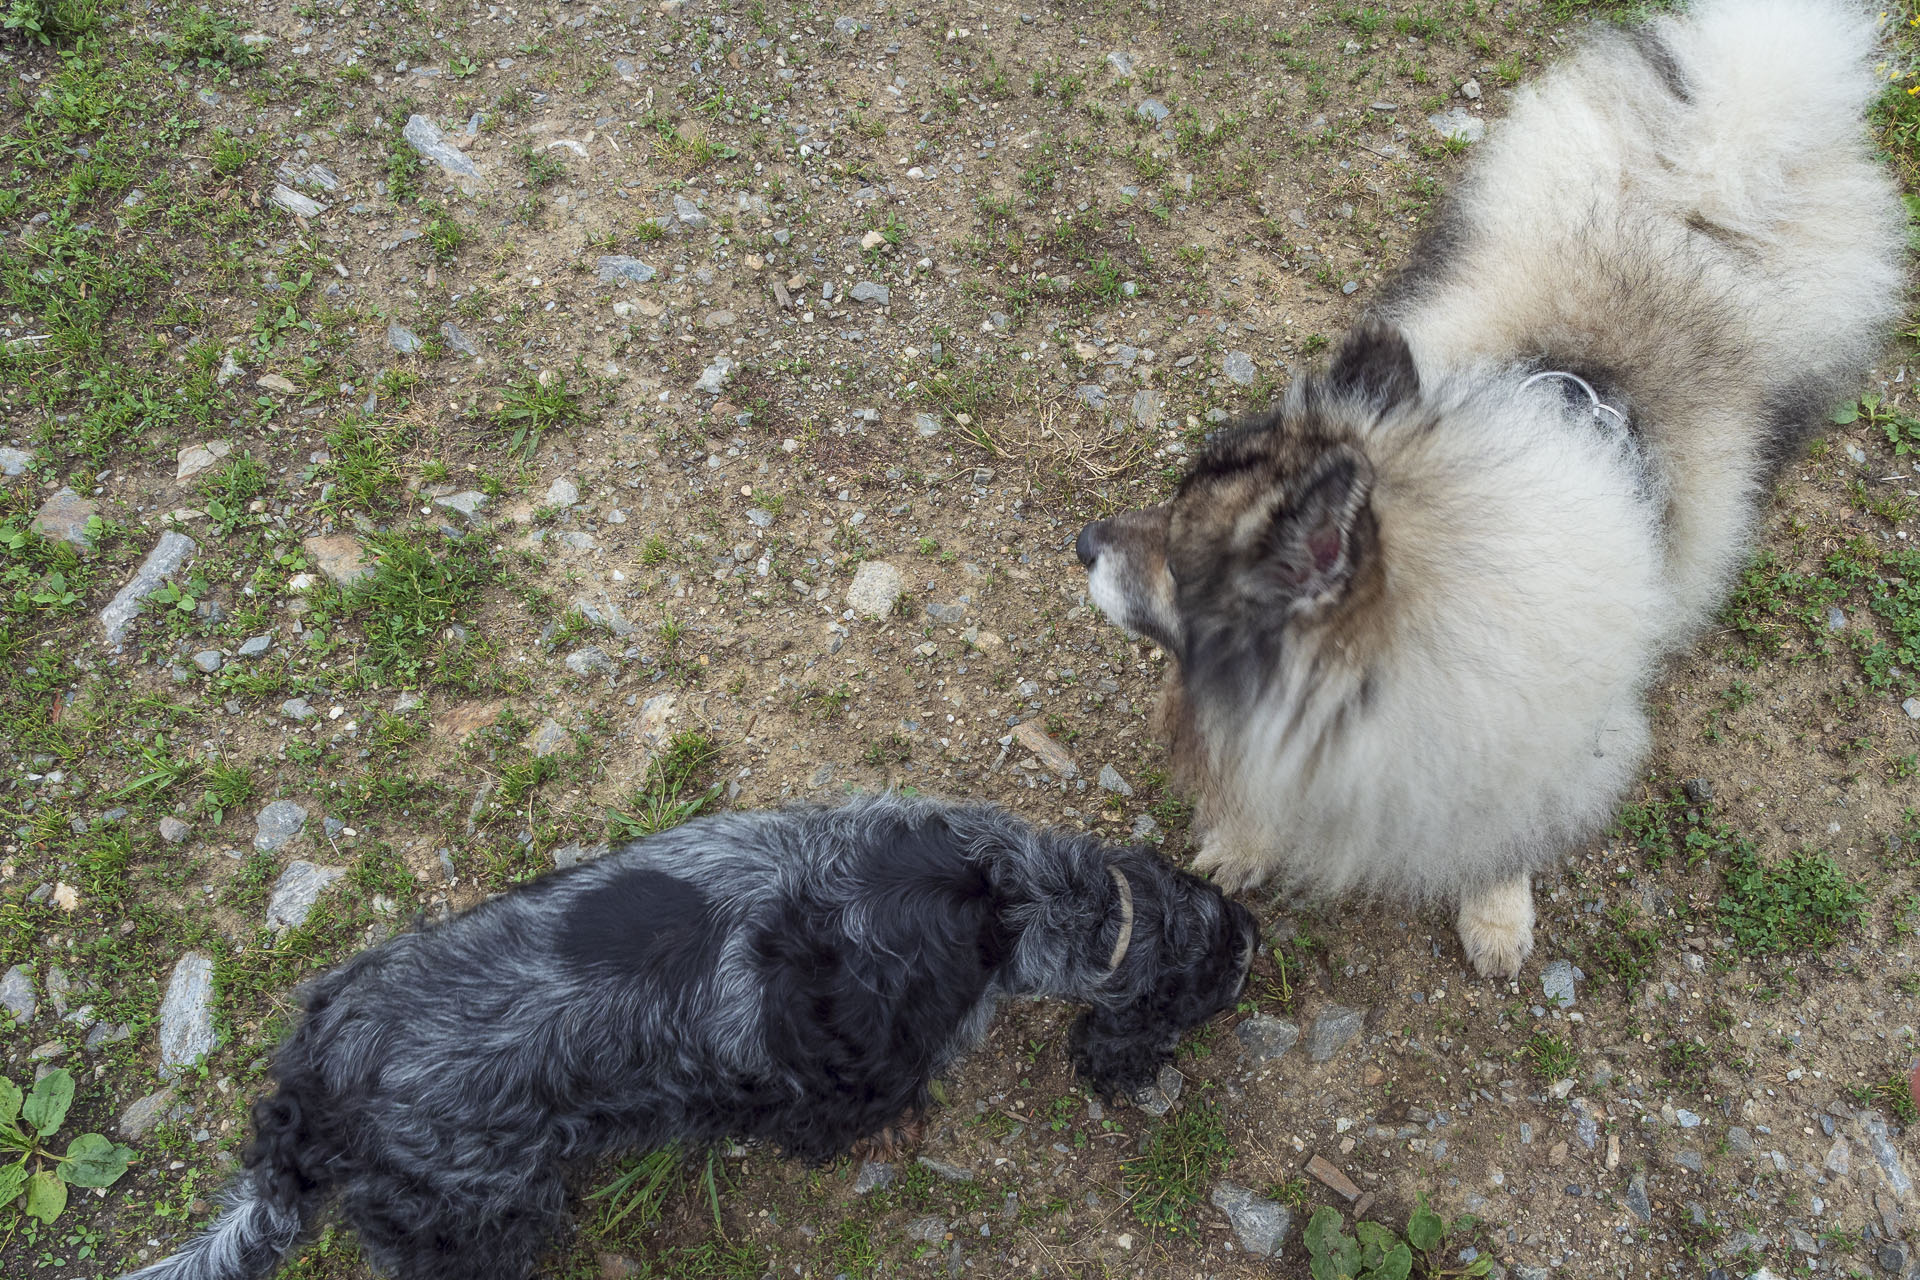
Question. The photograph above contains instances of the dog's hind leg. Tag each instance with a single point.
(1496, 926)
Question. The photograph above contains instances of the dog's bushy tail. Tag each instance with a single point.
(268, 1209)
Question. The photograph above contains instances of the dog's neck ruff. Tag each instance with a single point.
(1121, 943)
(1603, 413)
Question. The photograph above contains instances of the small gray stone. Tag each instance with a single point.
(1146, 407)
(17, 995)
(949, 613)
(1238, 367)
(1092, 395)
(166, 558)
(561, 493)
(1739, 1141)
(618, 268)
(1259, 1224)
(1912, 707)
(849, 26)
(402, 339)
(591, 660)
(277, 825)
(1152, 109)
(1459, 123)
(254, 646)
(714, 378)
(1110, 780)
(760, 518)
(868, 291)
(458, 339)
(1690, 1159)
(106, 1033)
(572, 855)
(1334, 1026)
(295, 203)
(1892, 1256)
(208, 660)
(298, 709)
(1158, 1098)
(951, 1172)
(926, 424)
(1265, 1037)
(1839, 1158)
(64, 517)
(192, 459)
(876, 585)
(296, 891)
(1122, 64)
(873, 1176)
(468, 502)
(927, 1230)
(1887, 1156)
(547, 739)
(1637, 1201)
(688, 214)
(1556, 980)
(174, 831)
(424, 136)
(342, 559)
(1470, 90)
(14, 462)
(1145, 828)
(138, 1120)
(186, 1014)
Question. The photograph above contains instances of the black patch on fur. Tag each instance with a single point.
(864, 1022)
(643, 921)
(1376, 365)
(1789, 417)
(1654, 52)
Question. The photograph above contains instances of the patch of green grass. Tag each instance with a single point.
(1800, 903)
(1550, 1057)
(1895, 1095)
(531, 407)
(679, 785)
(1168, 1182)
(416, 591)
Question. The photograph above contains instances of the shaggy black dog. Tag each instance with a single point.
(795, 976)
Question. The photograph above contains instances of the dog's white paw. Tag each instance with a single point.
(1234, 867)
(1496, 928)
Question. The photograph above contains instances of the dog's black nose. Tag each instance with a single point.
(1087, 545)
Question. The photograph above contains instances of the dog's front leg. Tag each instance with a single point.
(1496, 926)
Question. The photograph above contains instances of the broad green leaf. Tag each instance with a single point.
(93, 1161)
(9, 1101)
(1425, 1228)
(1480, 1266)
(47, 1105)
(46, 1196)
(13, 1180)
(1844, 415)
(1374, 1236)
(1325, 1267)
(1397, 1265)
(1322, 1235)
(938, 1090)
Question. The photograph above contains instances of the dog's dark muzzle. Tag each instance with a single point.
(1088, 545)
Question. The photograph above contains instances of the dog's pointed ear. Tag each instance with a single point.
(1375, 364)
(1312, 547)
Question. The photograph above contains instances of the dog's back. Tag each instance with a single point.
(1690, 209)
